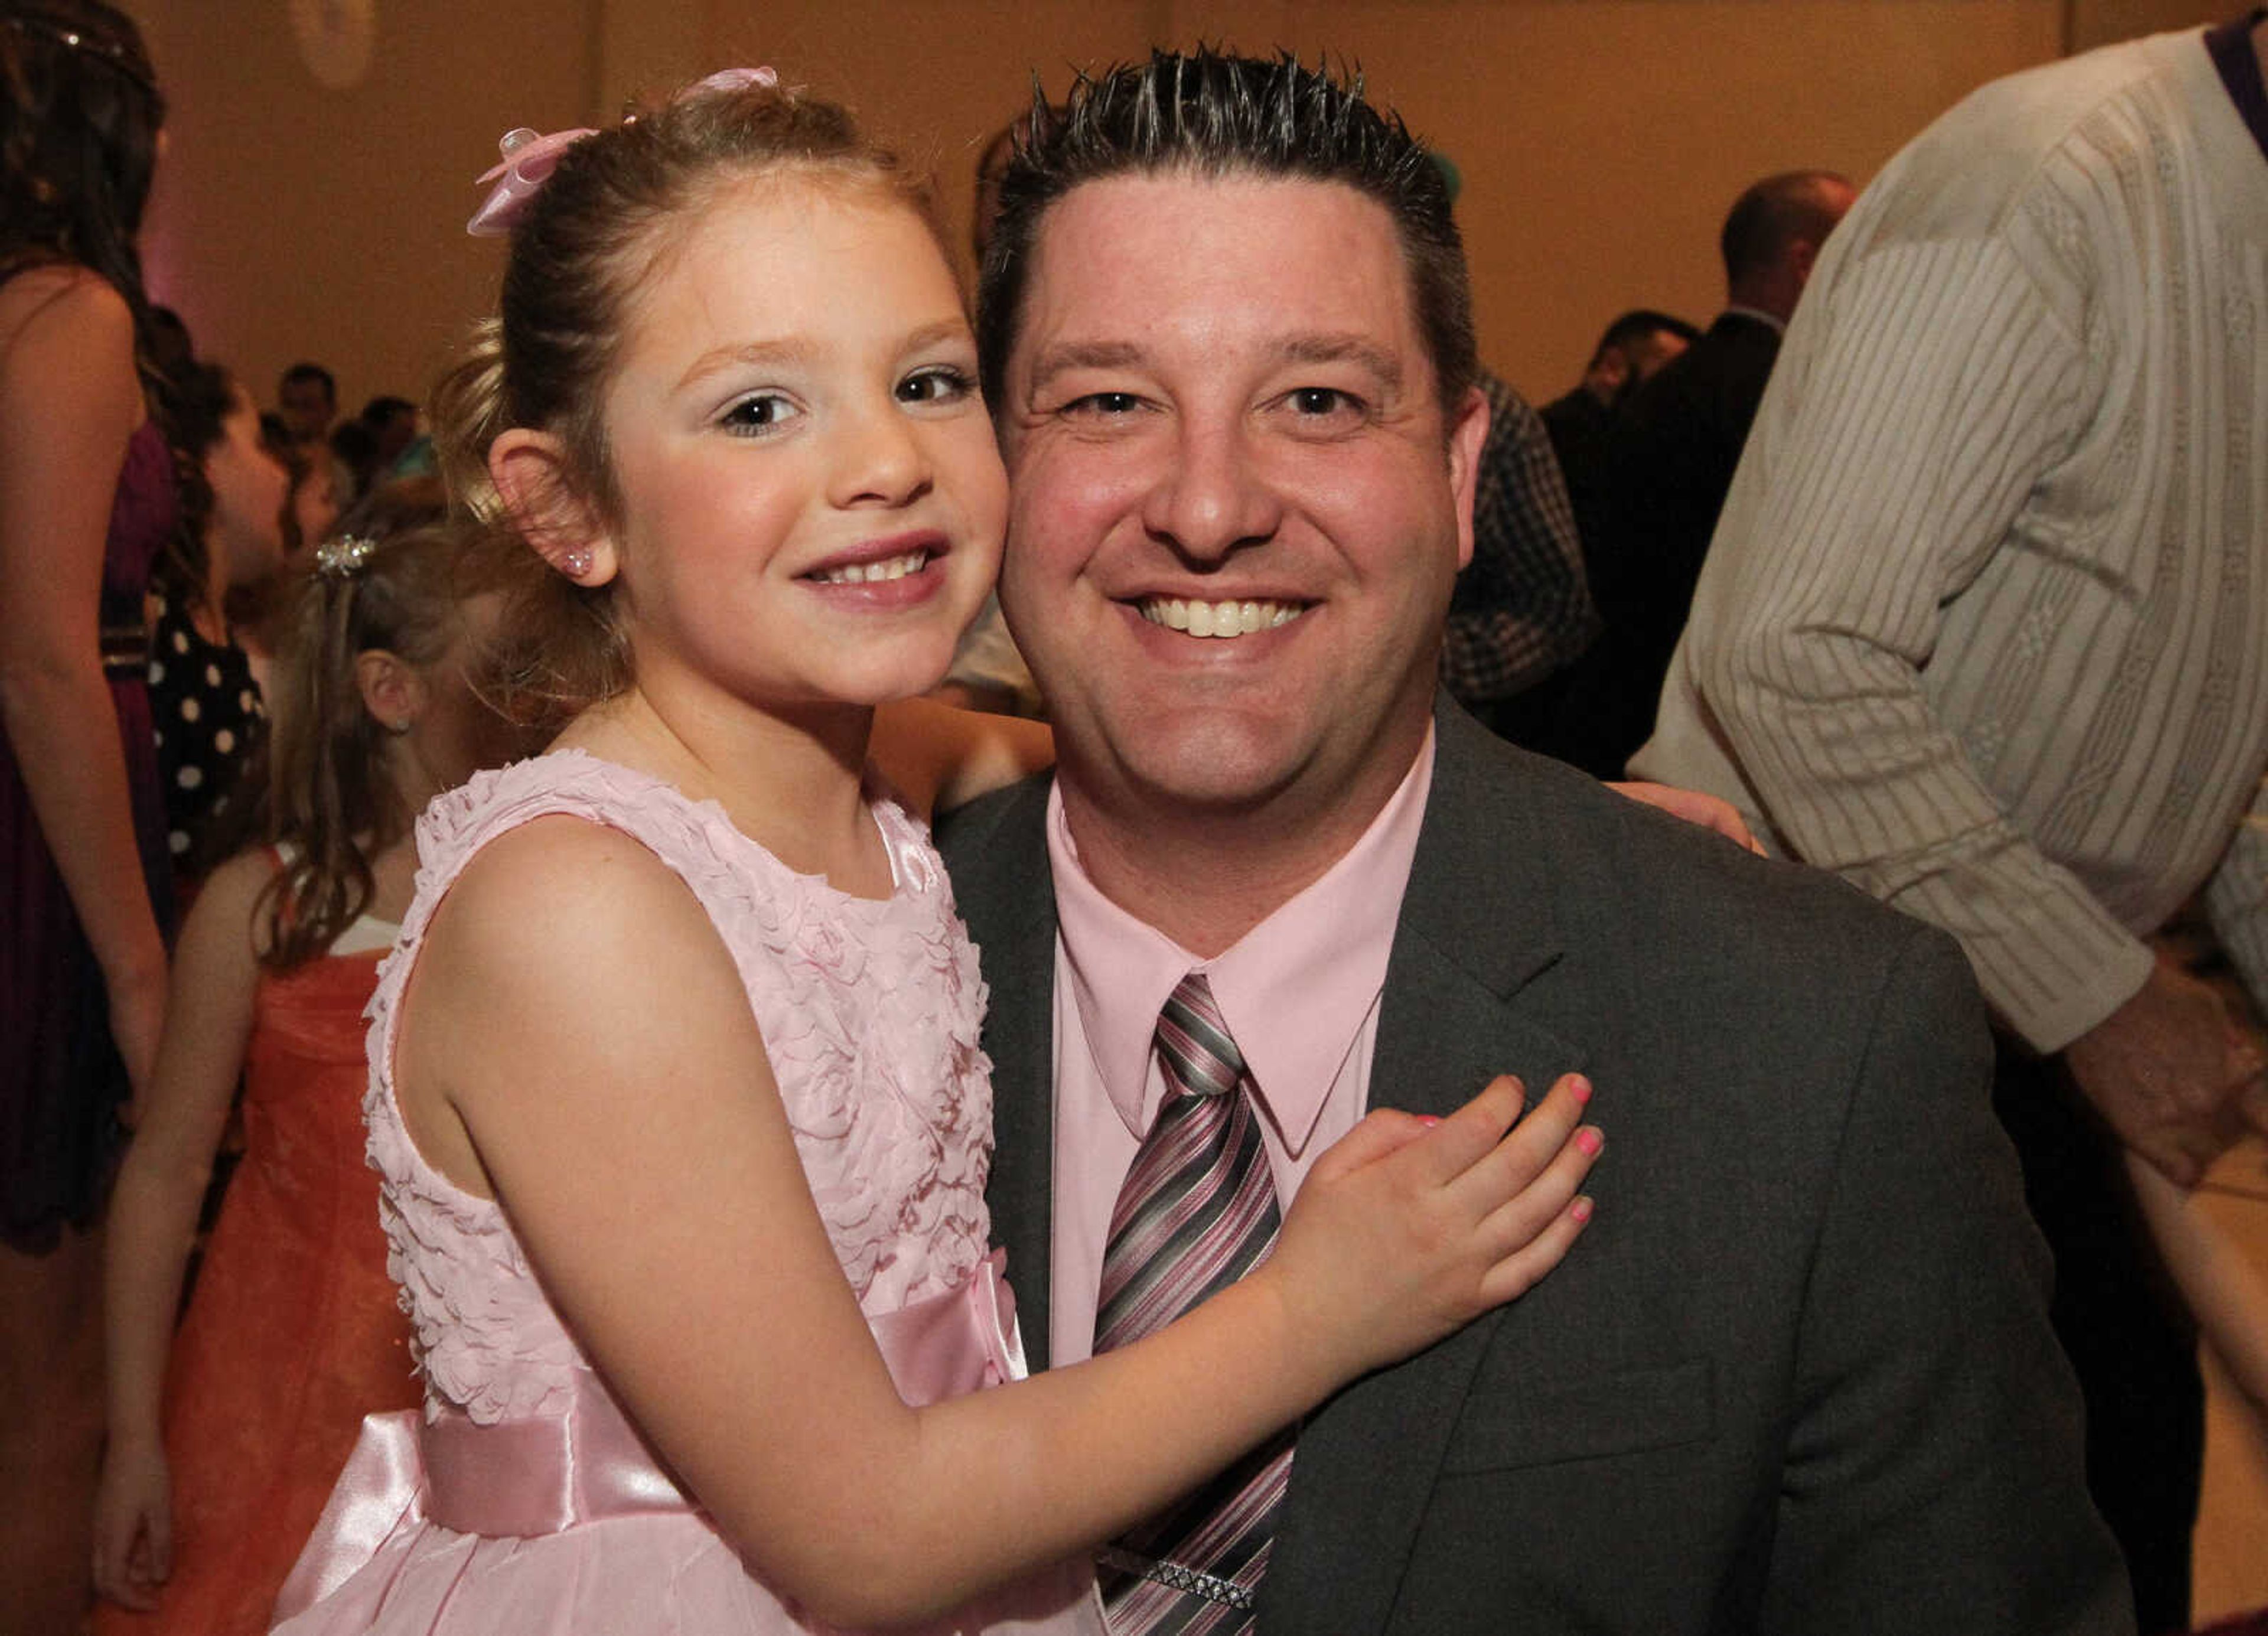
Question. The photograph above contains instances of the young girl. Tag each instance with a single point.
(205, 675)
(294, 1333)
(676, 1086)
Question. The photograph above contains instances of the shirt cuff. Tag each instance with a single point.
(2093, 983)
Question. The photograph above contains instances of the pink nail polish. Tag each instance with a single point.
(1581, 1090)
(1587, 1142)
(1580, 1210)
(1429, 1120)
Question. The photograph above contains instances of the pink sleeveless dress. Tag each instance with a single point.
(522, 1498)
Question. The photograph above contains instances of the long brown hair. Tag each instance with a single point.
(612, 211)
(331, 802)
(80, 113)
(79, 117)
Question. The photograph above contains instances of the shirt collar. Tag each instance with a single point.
(1295, 990)
(1773, 321)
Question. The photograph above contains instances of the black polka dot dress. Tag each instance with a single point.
(209, 718)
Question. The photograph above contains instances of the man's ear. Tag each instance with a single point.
(1468, 434)
(533, 478)
(392, 690)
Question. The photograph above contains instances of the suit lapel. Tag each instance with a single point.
(1477, 929)
(1006, 893)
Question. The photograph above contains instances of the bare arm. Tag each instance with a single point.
(2224, 1290)
(69, 399)
(938, 756)
(153, 1216)
(1695, 806)
(605, 1076)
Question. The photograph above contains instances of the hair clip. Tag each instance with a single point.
(343, 556)
(531, 156)
(114, 52)
(529, 159)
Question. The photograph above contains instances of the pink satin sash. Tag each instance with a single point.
(543, 1475)
(957, 1342)
(526, 1477)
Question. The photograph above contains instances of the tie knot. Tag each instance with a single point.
(1200, 1056)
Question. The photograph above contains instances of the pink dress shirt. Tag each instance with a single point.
(1299, 992)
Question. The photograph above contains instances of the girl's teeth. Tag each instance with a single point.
(871, 573)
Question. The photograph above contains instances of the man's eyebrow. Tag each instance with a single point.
(1346, 349)
(1322, 347)
(1061, 359)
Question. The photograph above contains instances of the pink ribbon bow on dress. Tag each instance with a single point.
(530, 157)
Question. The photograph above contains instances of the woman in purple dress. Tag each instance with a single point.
(86, 500)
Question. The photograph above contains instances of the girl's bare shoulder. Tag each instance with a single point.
(559, 902)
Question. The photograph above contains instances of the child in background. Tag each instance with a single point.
(294, 1332)
(205, 676)
(675, 1087)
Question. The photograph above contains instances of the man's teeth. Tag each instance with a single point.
(1218, 619)
(870, 574)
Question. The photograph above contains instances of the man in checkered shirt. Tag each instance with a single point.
(1522, 608)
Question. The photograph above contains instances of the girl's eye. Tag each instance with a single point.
(754, 415)
(942, 383)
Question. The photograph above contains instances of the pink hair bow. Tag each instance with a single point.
(530, 157)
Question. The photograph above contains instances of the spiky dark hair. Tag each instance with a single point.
(1211, 113)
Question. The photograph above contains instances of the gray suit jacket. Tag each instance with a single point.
(1797, 1376)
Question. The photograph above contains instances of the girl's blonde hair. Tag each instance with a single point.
(331, 800)
(616, 209)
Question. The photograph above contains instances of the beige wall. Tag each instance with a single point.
(935, 80)
(2098, 22)
(1600, 140)
(291, 221)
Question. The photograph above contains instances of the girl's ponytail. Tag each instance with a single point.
(331, 797)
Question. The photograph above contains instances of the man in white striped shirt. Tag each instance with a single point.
(1984, 628)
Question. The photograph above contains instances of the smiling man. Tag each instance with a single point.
(1798, 1375)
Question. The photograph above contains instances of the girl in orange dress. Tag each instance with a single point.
(227, 1437)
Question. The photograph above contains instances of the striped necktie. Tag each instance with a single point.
(1198, 1211)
